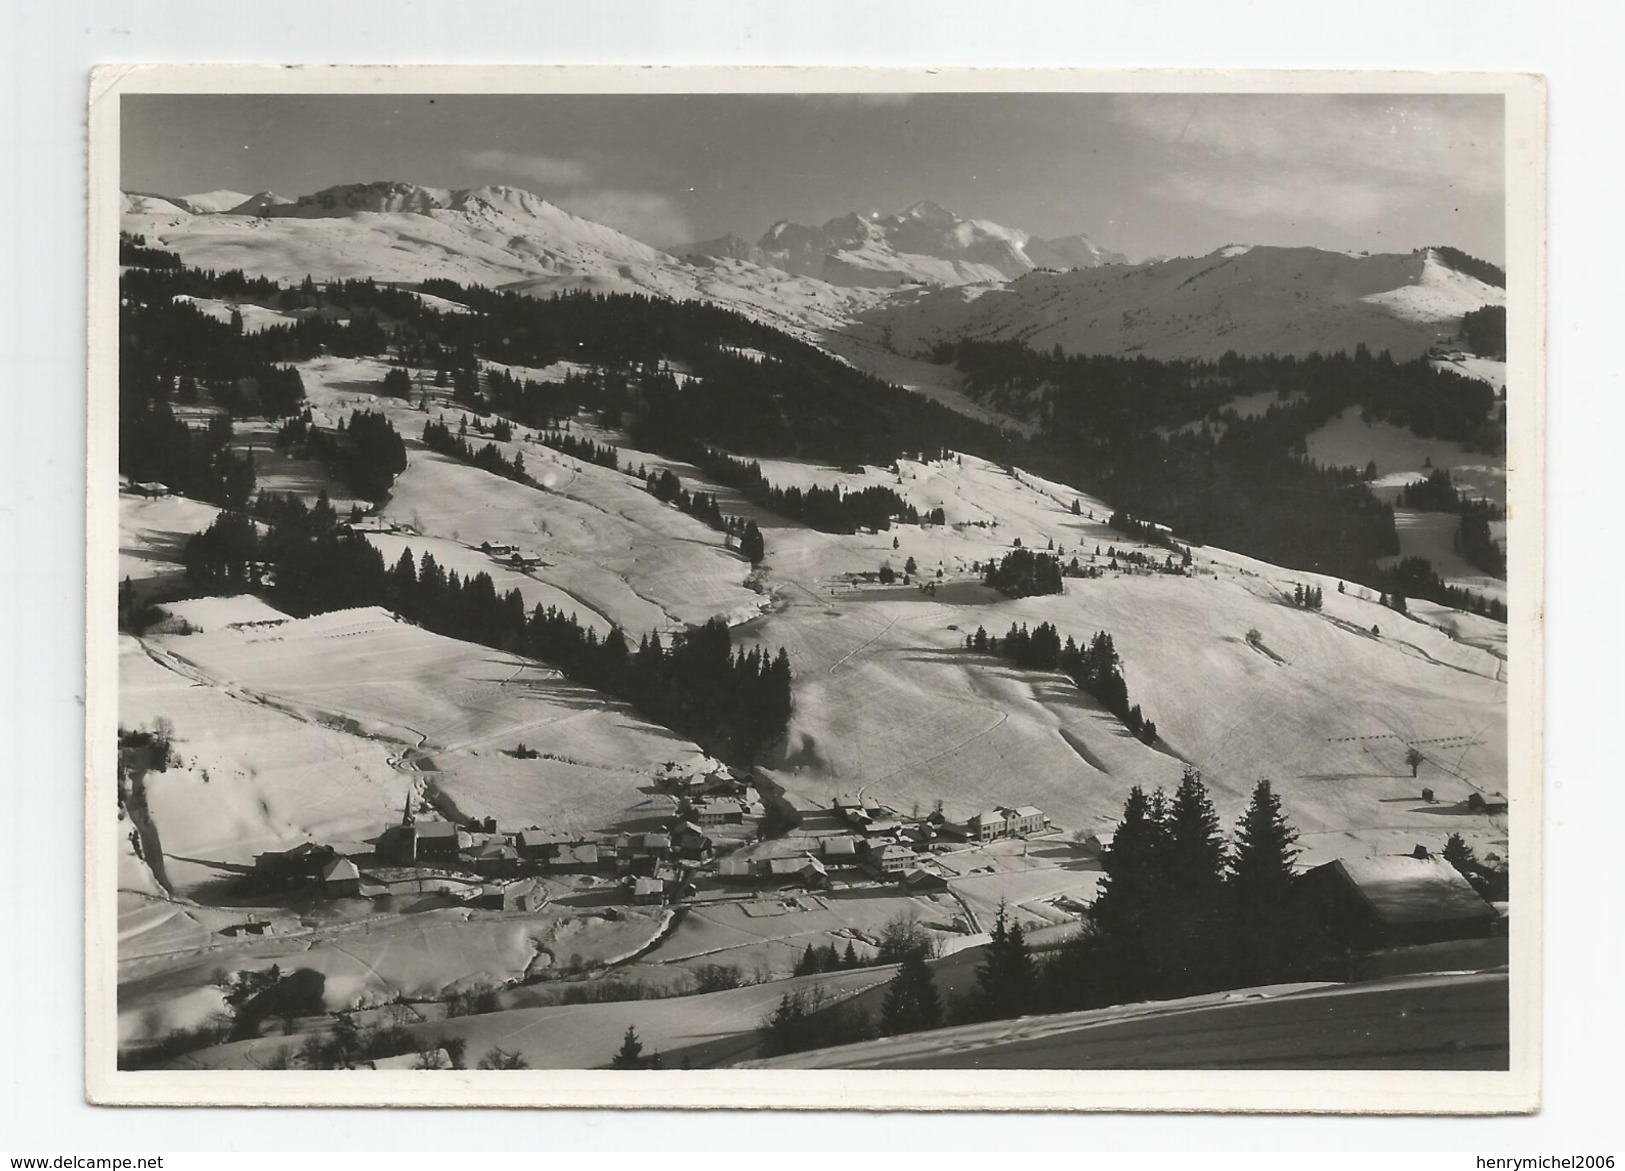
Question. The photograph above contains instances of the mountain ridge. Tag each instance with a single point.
(875, 299)
(924, 243)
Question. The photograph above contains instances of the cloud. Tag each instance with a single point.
(1339, 159)
(537, 168)
(643, 215)
(1447, 136)
(1294, 196)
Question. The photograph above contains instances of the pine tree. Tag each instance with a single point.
(911, 1003)
(849, 958)
(1006, 979)
(630, 1054)
(1195, 847)
(1190, 937)
(1460, 855)
(1260, 881)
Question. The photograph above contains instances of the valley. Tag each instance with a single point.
(323, 772)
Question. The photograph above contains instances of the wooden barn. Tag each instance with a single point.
(1393, 901)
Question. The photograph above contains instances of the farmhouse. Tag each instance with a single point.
(341, 879)
(690, 841)
(436, 840)
(1394, 901)
(438, 1059)
(303, 863)
(150, 488)
(891, 858)
(495, 858)
(984, 827)
(840, 851)
(368, 524)
(648, 890)
(1026, 819)
(924, 881)
(716, 811)
(653, 845)
(575, 857)
(734, 867)
(537, 845)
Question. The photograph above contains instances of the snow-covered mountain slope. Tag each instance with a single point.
(922, 244)
(211, 202)
(1251, 300)
(258, 203)
(143, 203)
(494, 236)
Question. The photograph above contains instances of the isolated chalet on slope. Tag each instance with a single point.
(1394, 901)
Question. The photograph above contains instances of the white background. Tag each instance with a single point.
(48, 49)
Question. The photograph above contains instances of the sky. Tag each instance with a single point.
(1144, 174)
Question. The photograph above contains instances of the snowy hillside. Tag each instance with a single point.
(1252, 300)
(495, 236)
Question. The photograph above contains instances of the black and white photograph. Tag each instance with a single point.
(615, 588)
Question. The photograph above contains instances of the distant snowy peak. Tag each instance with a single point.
(210, 202)
(1439, 292)
(259, 203)
(924, 244)
(500, 237)
(1257, 299)
(381, 197)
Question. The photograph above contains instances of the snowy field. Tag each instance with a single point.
(1432, 535)
(152, 534)
(463, 709)
(888, 700)
(378, 960)
(255, 317)
(585, 1036)
(609, 547)
(1348, 442)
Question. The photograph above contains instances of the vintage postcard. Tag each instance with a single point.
(815, 589)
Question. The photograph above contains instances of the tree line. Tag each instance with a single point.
(732, 703)
(1249, 488)
(1438, 493)
(1181, 912)
(1023, 573)
(1097, 668)
(366, 451)
(440, 438)
(830, 510)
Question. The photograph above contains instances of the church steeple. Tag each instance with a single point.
(406, 814)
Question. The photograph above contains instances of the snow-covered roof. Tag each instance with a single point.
(340, 870)
(1404, 889)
